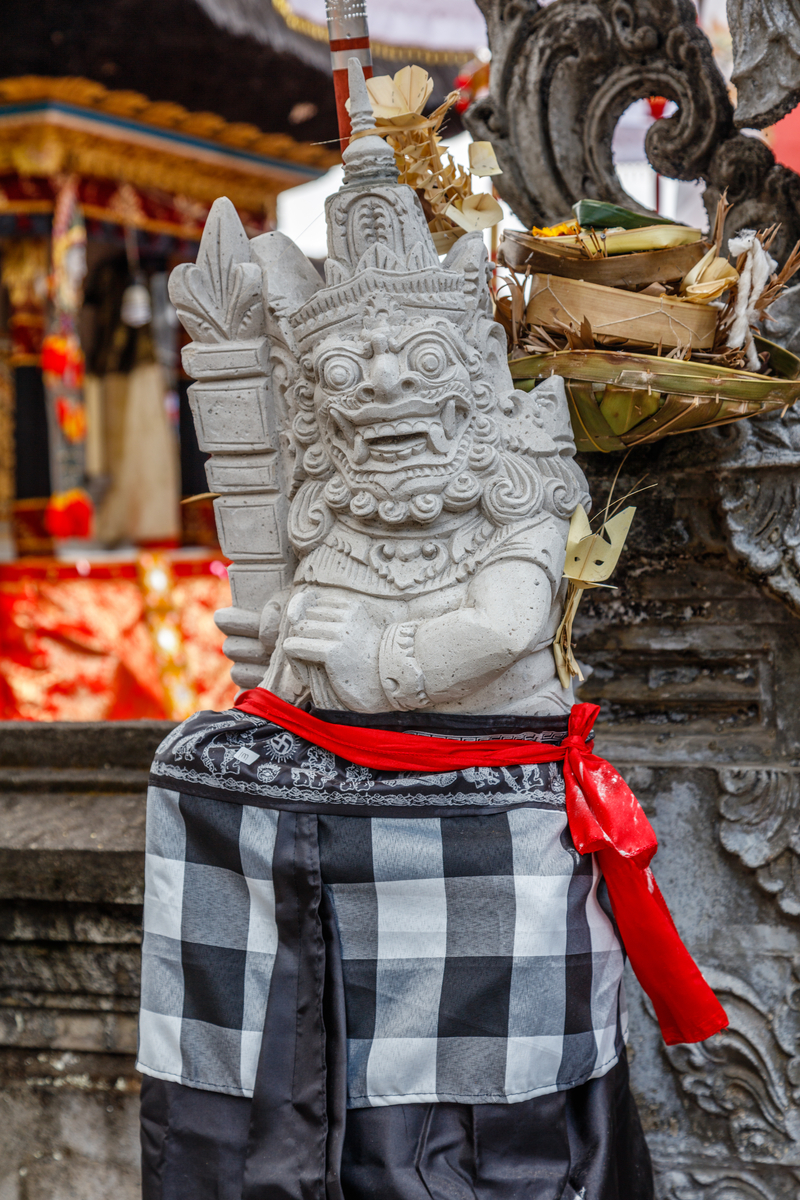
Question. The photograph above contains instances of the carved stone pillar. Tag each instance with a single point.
(233, 410)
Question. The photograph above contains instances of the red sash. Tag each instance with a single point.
(605, 819)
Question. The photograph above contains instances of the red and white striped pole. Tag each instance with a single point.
(349, 37)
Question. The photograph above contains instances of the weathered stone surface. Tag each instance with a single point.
(766, 59)
(71, 865)
(63, 1137)
(106, 746)
(77, 846)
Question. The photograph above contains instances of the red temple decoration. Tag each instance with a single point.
(101, 193)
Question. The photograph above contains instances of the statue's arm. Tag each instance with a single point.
(418, 663)
(447, 657)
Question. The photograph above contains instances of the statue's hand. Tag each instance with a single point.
(340, 635)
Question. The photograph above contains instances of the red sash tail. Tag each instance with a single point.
(606, 819)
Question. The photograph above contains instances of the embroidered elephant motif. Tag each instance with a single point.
(318, 768)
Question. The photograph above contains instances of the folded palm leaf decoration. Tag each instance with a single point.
(645, 339)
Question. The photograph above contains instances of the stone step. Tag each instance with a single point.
(72, 821)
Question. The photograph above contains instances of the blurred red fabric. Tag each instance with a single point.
(75, 644)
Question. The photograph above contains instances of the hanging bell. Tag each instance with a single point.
(136, 307)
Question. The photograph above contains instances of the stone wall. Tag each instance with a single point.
(697, 669)
(72, 811)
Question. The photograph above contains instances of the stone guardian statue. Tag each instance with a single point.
(428, 501)
(387, 891)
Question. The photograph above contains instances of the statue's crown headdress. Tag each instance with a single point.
(380, 247)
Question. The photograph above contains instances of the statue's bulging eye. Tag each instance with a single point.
(340, 374)
(429, 360)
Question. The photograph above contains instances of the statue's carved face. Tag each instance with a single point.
(394, 405)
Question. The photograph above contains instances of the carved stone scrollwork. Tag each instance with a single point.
(567, 73)
(763, 519)
(748, 1074)
(727, 1184)
(761, 825)
(759, 495)
(563, 75)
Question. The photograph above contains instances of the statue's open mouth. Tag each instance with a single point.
(397, 436)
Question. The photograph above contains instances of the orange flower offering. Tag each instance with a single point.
(62, 356)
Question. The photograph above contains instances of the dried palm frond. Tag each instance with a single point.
(424, 164)
(718, 230)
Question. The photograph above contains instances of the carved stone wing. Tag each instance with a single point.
(219, 299)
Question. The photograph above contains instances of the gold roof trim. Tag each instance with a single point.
(407, 54)
(133, 106)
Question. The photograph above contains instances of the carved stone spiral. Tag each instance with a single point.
(562, 76)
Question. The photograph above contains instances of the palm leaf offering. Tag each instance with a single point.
(424, 163)
(652, 339)
(629, 241)
(589, 560)
(600, 214)
(618, 399)
(521, 251)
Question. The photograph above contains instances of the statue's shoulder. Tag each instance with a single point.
(540, 541)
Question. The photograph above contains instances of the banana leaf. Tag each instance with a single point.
(613, 394)
(599, 214)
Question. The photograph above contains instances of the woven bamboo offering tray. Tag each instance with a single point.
(619, 399)
(520, 251)
(612, 311)
(652, 328)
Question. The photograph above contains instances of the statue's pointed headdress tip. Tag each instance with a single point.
(367, 160)
(361, 118)
(379, 244)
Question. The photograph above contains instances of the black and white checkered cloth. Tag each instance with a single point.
(480, 961)
(209, 940)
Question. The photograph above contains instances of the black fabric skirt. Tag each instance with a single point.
(584, 1142)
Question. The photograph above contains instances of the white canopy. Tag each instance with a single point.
(455, 25)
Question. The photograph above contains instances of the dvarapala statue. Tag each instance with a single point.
(375, 964)
(429, 501)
